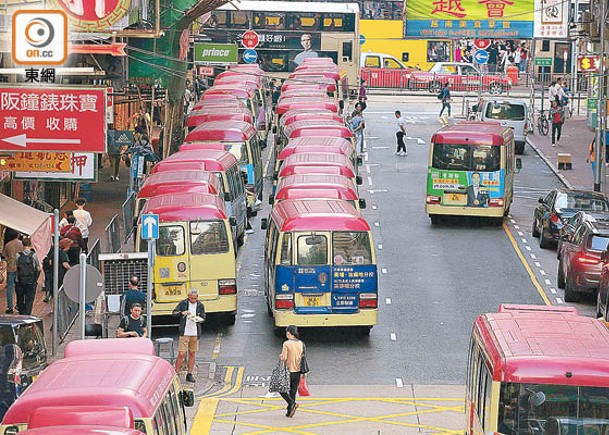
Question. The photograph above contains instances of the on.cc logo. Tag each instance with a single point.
(40, 37)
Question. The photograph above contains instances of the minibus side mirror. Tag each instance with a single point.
(264, 222)
(518, 164)
(274, 129)
(227, 197)
(275, 176)
(358, 180)
(271, 199)
(359, 161)
(188, 398)
(362, 204)
(232, 221)
(540, 200)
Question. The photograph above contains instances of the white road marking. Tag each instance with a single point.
(528, 248)
(377, 224)
(537, 264)
(370, 181)
(368, 168)
(380, 246)
(512, 221)
(517, 227)
(553, 291)
(542, 272)
(388, 301)
(534, 257)
(383, 270)
(520, 233)
(559, 300)
(547, 281)
(380, 148)
(393, 336)
(374, 207)
(366, 157)
(399, 383)
(524, 241)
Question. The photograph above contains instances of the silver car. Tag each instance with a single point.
(509, 112)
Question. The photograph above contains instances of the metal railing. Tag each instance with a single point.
(128, 209)
(113, 235)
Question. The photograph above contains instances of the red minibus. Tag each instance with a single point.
(319, 131)
(138, 345)
(542, 371)
(318, 124)
(238, 75)
(309, 104)
(294, 116)
(218, 100)
(145, 384)
(220, 114)
(82, 430)
(116, 416)
(345, 171)
(318, 186)
(301, 91)
(315, 73)
(177, 181)
(329, 86)
(315, 161)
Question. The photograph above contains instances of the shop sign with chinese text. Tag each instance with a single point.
(469, 18)
(38, 162)
(83, 167)
(551, 19)
(52, 119)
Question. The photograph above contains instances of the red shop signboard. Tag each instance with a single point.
(59, 119)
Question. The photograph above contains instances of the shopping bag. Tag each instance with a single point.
(280, 379)
(303, 390)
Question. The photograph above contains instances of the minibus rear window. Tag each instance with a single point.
(286, 250)
(239, 151)
(312, 250)
(599, 243)
(505, 111)
(484, 158)
(31, 342)
(208, 238)
(351, 248)
(171, 241)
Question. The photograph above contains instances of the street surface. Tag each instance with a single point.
(409, 375)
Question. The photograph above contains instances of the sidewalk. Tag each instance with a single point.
(575, 140)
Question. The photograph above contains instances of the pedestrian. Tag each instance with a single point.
(72, 232)
(187, 98)
(47, 269)
(192, 315)
(291, 353)
(12, 247)
(357, 125)
(133, 324)
(84, 217)
(400, 131)
(28, 271)
(444, 96)
(592, 157)
(133, 295)
(493, 54)
(275, 93)
(524, 54)
(64, 259)
(64, 221)
(362, 97)
(557, 115)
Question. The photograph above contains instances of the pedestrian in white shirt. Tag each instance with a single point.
(400, 132)
(192, 315)
(84, 217)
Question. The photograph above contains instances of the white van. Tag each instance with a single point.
(507, 111)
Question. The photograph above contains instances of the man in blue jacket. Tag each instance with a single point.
(192, 315)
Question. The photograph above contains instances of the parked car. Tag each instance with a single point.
(579, 266)
(507, 111)
(581, 216)
(461, 76)
(382, 70)
(558, 206)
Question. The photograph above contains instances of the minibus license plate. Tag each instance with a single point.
(173, 290)
(455, 199)
(312, 300)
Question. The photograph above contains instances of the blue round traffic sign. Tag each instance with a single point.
(481, 57)
(250, 56)
(362, 39)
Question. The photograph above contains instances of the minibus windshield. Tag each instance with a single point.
(553, 409)
(171, 241)
(484, 158)
(208, 238)
(351, 248)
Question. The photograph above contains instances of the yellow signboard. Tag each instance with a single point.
(36, 162)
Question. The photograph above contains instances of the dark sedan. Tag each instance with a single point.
(558, 206)
(578, 218)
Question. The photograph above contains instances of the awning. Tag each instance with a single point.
(29, 221)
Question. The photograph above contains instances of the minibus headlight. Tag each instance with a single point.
(368, 300)
(284, 302)
(227, 287)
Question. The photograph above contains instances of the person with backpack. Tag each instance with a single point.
(72, 232)
(28, 271)
(133, 295)
(12, 247)
(444, 96)
(557, 116)
(133, 325)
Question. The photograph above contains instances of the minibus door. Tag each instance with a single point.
(211, 257)
(171, 272)
(312, 289)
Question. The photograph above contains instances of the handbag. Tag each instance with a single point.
(280, 379)
(303, 389)
(304, 364)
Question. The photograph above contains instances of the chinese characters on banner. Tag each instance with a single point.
(469, 18)
(82, 168)
(52, 119)
(551, 19)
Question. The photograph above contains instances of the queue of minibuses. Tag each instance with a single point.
(136, 393)
(320, 263)
(205, 193)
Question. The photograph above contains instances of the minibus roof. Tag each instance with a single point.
(318, 158)
(82, 430)
(178, 178)
(230, 131)
(537, 308)
(293, 116)
(218, 102)
(109, 345)
(239, 79)
(317, 180)
(306, 103)
(303, 192)
(346, 150)
(215, 160)
(218, 107)
(318, 215)
(48, 416)
(319, 140)
(307, 79)
(223, 114)
(233, 89)
(544, 347)
(320, 60)
(296, 85)
(314, 168)
(316, 72)
(249, 68)
(474, 133)
(321, 127)
(186, 207)
(134, 380)
(238, 74)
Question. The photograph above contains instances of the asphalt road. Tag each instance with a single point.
(433, 281)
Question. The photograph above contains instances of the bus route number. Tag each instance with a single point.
(173, 291)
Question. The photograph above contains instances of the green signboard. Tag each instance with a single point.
(592, 104)
(543, 61)
(215, 54)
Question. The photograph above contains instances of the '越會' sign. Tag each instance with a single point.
(469, 18)
(52, 119)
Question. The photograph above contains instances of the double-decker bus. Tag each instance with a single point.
(333, 29)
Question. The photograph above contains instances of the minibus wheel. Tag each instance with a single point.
(364, 331)
(229, 319)
(570, 294)
(279, 331)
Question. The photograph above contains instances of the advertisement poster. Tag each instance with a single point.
(465, 189)
(551, 19)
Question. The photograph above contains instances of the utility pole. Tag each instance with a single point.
(599, 151)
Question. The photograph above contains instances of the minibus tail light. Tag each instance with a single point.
(284, 302)
(495, 202)
(227, 287)
(584, 259)
(432, 199)
(368, 300)
(554, 218)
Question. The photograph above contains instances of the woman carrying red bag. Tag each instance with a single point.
(292, 354)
